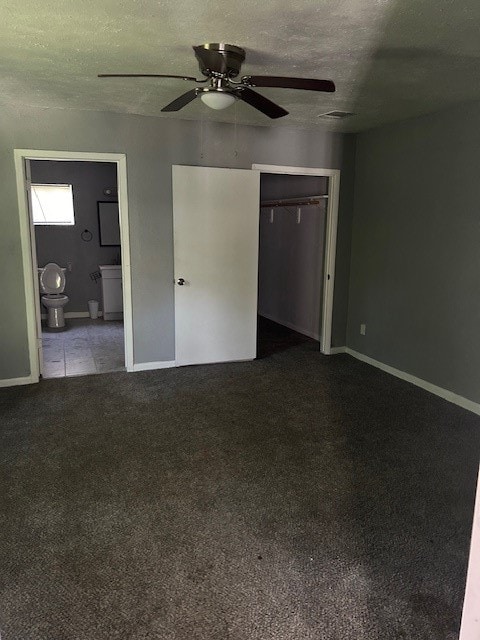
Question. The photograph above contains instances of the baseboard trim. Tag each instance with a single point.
(290, 325)
(149, 366)
(474, 407)
(74, 314)
(335, 350)
(13, 382)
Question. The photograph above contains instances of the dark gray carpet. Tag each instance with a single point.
(295, 497)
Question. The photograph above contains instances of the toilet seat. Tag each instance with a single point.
(52, 284)
(52, 279)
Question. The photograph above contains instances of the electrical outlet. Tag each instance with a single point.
(363, 329)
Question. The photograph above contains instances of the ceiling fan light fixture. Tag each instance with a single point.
(217, 99)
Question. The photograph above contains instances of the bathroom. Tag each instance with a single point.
(74, 207)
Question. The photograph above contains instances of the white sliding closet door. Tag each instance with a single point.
(216, 220)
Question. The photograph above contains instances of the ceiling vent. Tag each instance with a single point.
(336, 115)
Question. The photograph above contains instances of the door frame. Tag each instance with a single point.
(29, 252)
(333, 176)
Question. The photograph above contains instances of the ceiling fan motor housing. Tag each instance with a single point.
(218, 58)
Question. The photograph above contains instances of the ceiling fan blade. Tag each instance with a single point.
(210, 59)
(309, 84)
(145, 75)
(181, 101)
(261, 103)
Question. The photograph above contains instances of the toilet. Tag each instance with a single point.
(52, 285)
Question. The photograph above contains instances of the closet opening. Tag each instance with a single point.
(292, 262)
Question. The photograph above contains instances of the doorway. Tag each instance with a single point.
(291, 261)
(298, 230)
(86, 248)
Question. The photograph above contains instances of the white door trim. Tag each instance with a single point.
(27, 237)
(38, 318)
(330, 240)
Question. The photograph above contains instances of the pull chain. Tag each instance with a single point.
(202, 122)
(235, 139)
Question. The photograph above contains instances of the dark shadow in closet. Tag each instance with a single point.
(273, 338)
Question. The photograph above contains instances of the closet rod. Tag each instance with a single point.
(293, 203)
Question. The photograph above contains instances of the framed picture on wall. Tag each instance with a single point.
(108, 223)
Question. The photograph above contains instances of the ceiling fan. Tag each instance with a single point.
(220, 64)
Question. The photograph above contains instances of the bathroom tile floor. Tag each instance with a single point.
(86, 346)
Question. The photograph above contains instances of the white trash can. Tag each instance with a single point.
(93, 309)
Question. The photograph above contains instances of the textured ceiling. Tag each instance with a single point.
(390, 59)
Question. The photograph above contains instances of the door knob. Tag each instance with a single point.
(181, 281)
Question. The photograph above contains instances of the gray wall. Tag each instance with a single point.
(152, 145)
(64, 244)
(415, 268)
(290, 266)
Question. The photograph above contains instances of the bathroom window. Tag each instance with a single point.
(52, 204)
